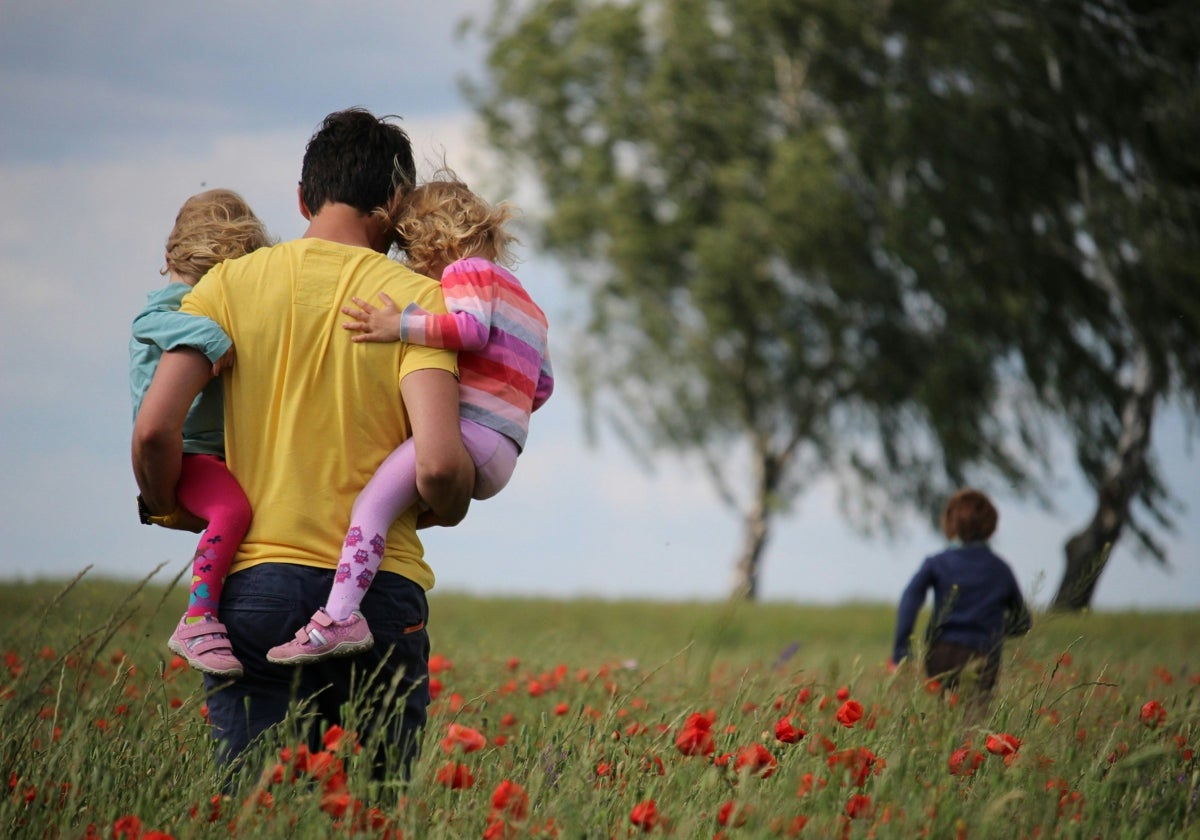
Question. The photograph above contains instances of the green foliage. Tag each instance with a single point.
(883, 242)
(580, 704)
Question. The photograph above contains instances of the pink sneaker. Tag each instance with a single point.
(206, 647)
(322, 638)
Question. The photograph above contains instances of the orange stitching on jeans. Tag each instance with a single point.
(415, 628)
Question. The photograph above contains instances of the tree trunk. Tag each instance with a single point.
(754, 540)
(756, 527)
(1088, 550)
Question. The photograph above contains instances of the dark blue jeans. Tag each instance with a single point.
(264, 606)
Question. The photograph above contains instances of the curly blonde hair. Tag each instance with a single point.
(442, 221)
(212, 226)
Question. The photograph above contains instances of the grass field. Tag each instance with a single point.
(589, 719)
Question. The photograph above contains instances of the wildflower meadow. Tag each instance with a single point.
(590, 719)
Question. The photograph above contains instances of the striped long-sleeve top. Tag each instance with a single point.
(504, 358)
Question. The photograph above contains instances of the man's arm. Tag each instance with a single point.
(445, 474)
(158, 430)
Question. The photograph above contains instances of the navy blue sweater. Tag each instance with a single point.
(976, 601)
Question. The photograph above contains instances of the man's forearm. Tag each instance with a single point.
(445, 474)
(156, 466)
(448, 493)
(157, 447)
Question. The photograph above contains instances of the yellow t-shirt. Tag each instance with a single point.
(309, 414)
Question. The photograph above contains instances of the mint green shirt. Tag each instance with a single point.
(161, 327)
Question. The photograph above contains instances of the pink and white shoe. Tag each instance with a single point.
(206, 647)
(324, 637)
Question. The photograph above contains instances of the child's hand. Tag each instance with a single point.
(225, 362)
(373, 324)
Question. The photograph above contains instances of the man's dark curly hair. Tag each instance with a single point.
(358, 159)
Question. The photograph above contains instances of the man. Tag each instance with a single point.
(310, 415)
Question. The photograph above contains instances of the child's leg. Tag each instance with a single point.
(209, 490)
(494, 455)
(390, 492)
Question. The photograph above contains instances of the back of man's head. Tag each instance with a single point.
(355, 158)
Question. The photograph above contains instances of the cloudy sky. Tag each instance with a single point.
(115, 113)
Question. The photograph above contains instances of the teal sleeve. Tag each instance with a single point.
(171, 329)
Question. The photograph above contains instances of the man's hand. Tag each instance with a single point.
(429, 519)
(185, 520)
(373, 324)
(180, 519)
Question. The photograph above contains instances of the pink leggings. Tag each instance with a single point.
(208, 489)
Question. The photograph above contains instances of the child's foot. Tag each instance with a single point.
(206, 647)
(324, 637)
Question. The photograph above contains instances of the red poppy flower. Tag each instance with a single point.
(324, 765)
(455, 776)
(806, 784)
(695, 738)
(511, 800)
(263, 801)
(652, 764)
(335, 735)
(498, 829)
(462, 738)
(858, 763)
(336, 803)
(645, 815)
(128, 827)
(850, 713)
(843, 694)
(1003, 744)
(859, 805)
(787, 732)
(755, 758)
(965, 761)
(1153, 714)
(732, 814)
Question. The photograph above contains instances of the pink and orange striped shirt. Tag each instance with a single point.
(504, 358)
